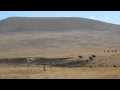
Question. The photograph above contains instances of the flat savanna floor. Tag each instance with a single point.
(37, 72)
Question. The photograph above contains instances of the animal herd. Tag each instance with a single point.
(89, 58)
(94, 56)
(111, 51)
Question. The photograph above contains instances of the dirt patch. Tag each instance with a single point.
(41, 61)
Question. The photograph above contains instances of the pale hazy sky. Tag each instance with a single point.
(106, 16)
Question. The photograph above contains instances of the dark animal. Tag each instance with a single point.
(112, 51)
(93, 56)
(115, 50)
(87, 61)
(114, 65)
(108, 50)
(90, 58)
(44, 68)
(104, 51)
(80, 57)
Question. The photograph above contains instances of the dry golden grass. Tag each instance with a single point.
(59, 73)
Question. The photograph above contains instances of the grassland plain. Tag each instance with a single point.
(15, 72)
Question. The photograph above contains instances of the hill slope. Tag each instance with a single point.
(56, 37)
(23, 24)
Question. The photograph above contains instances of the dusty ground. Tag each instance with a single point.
(59, 73)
